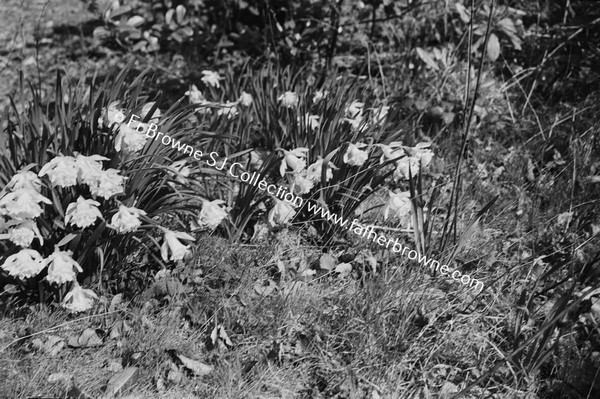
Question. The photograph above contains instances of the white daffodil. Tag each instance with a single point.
(126, 219)
(319, 95)
(106, 183)
(22, 204)
(399, 204)
(130, 139)
(312, 121)
(390, 151)
(88, 166)
(155, 115)
(246, 99)
(228, 109)
(22, 233)
(379, 115)
(354, 156)
(315, 170)
(172, 245)
(404, 165)
(294, 159)
(195, 95)
(61, 171)
(302, 184)
(422, 152)
(24, 264)
(212, 214)
(357, 124)
(289, 99)
(109, 114)
(257, 158)
(179, 171)
(282, 213)
(24, 179)
(82, 213)
(354, 110)
(62, 267)
(79, 299)
(211, 78)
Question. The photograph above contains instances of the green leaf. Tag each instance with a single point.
(427, 58)
(493, 47)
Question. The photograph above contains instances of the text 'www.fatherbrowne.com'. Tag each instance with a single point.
(256, 180)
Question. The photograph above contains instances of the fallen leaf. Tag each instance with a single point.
(220, 338)
(115, 302)
(88, 338)
(195, 366)
(343, 268)
(174, 376)
(52, 346)
(118, 329)
(327, 262)
(115, 366)
(119, 382)
(564, 218)
(59, 377)
(308, 273)
(265, 290)
(448, 389)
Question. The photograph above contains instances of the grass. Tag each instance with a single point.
(393, 333)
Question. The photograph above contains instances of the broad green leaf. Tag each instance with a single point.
(493, 47)
(427, 58)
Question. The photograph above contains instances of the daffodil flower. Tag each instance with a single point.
(62, 268)
(61, 171)
(130, 139)
(211, 78)
(398, 204)
(24, 179)
(172, 245)
(289, 99)
(212, 214)
(79, 299)
(127, 219)
(22, 233)
(246, 99)
(282, 213)
(354, 110)
(295, 160)
(24, 264)
(82, 213)
(315, 170)
(87, 166)
(354, 156)
(22, 204)
(319, 95)
(390, 151)
(106, 183)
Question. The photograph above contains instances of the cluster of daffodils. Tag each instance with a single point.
(227, 109)
(353, 112)
(94, 190)
(303, 177)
